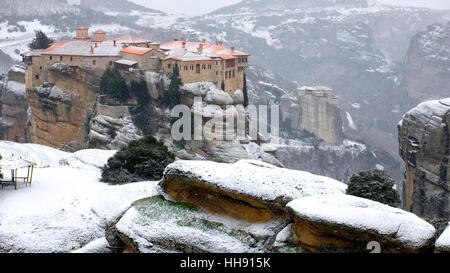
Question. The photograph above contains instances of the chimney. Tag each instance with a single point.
(200, 48)
(183, 44)
(232, 49)
(114, 42)
(220, 43)
(182, 39)
(92, 49)
(217, 43)
(96, 44)
(203, 41)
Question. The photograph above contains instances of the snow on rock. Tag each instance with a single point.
(45, 156)
(158, 225)
(443, 242)
(351, 222)
(209, 91)
(115, 200)
(256, 191)
(100, 245)
(351, 124)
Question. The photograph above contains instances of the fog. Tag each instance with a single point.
(198, 7)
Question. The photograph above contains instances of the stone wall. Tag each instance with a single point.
(424, 146)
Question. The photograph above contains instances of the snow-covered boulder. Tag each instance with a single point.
(345, 222)
(443, 242)
(155, 225)
(248, 189)
(238, 97)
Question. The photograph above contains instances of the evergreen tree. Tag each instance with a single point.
(173, 96)
(40, 41)
(244, 90)
(374, 185)
(114, 85)
(222, 86)
(143, 159)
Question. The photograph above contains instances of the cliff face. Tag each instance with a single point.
(316, 112)
(428, 63)
(62, 108)
(13, 107)
(424, 146)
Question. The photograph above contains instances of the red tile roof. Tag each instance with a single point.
(211, 51)
(136, 50)
(128, 39)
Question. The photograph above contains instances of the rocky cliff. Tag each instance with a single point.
(424, 140)
(428, 63)
(13, 106)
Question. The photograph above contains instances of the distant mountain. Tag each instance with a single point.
(428, 63)
(278, 5)
(115, 6)
(35, 7)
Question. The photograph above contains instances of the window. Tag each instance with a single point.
(197, 68)
(60, 58)
(94, 62)
(226, 74)
(51, 58)
(169, 65)
(71, 59)
(110, 63)
(233, 73)
(40, 67)
(36, 77)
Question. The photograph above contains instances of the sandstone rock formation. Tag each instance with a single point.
(424, 146)
(13, 107)
(250, 190)
(349, 223)
(62, 108)
(155, 225)
(314, 110)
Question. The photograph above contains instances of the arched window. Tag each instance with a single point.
(94, 62)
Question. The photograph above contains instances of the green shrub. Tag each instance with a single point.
(375, 185)
(143, 159)
(114, 85)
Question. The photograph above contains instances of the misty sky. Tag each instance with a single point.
(197, 7)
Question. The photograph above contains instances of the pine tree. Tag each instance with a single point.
(222, 86)
(114, 85)
(40, 41)
(374, 185)
(244, 90)
(173, 92)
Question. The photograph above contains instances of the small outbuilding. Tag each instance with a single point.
(14, 164)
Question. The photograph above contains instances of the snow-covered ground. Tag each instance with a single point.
(67, 207)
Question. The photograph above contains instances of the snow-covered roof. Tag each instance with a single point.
(15, 162)
(189, 51)
(84, 48)
(126, 62)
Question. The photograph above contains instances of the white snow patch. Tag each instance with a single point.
(351, 124)
(444, 240)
